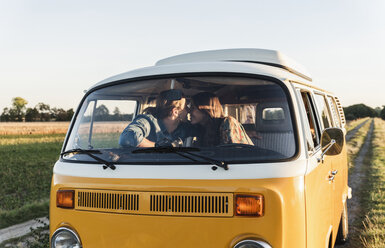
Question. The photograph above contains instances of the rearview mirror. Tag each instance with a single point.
(332, 141)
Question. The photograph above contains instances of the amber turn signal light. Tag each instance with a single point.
(249, 205)
(65, 198)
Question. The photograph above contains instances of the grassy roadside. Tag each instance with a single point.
(354, 145)
(38, 238)
(372, 233)
(350, 125)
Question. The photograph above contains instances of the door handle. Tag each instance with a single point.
(332, 175)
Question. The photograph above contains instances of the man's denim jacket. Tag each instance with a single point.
(153, 129)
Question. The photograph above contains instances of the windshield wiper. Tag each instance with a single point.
(181, 151)
(236, 145)
(91, 153)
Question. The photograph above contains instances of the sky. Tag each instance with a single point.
(51, 51)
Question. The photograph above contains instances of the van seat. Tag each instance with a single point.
(274, 130)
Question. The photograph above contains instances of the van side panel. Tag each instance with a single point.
(283, 223)
(325, 198)
(319, 203)
(340, 185)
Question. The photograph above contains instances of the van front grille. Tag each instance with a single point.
(155, 203)
(191, 204)
(107, 201)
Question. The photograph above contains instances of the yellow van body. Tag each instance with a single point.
(303, 198)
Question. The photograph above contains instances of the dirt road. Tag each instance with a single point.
(355, 181)
(353, 132)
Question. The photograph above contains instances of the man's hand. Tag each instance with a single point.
(146, 143)
(166, 142)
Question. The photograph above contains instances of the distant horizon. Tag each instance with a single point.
(75, 108)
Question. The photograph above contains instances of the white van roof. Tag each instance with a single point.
(251, 55)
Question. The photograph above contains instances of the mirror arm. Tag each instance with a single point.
(332, 142)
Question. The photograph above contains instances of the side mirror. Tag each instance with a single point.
(332, 142)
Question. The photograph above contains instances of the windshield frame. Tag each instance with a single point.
(163, 76)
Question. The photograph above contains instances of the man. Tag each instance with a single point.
(164, 124)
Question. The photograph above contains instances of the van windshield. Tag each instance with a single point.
(232, 119)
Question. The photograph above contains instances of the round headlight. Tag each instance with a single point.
(252, 244)
(65, 238)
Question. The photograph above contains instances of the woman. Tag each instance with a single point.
(217, 129)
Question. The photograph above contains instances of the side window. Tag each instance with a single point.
(273, 114)
(103, 122)
(83, 139)
(323, 110)
(308, 104)
(334, 111)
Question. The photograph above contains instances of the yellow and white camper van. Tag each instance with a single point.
(219, 149)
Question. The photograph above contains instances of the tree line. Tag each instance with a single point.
(102, 113)
(356, 111)
(41, 112)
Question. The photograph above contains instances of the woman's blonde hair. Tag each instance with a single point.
(209, 104)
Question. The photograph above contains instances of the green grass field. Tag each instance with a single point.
(26, 163)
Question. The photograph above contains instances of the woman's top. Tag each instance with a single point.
(231, 131)
(221, 131)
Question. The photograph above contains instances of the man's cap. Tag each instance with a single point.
(171, 95)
